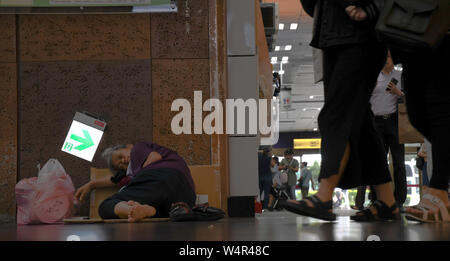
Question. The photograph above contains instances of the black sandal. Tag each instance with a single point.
(384, 213)
(181, 211)
(320, 210)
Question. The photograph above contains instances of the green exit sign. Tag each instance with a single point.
(84, 136)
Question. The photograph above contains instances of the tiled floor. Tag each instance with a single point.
(269, 226)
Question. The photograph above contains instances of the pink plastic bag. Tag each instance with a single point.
(47, 198)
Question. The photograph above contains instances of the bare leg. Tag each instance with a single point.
(133, 211)
(139, 211)
(122, 209)
(327, 185)
(384, 194)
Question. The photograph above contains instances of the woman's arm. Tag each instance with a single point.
(84, 190)
(145, 153)
(102, 183)
(152, 157)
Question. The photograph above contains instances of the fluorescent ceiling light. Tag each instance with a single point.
(294, 26)
(281, 72)
(273, 60)
(281, 26)
(311, 97)
(288, 47)
(277, 48)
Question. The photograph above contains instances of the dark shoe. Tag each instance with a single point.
(181, 211)
(320, 210)
(204, 212)
(357, 208)
(384, 213)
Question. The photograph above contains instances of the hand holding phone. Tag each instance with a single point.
(394, 81)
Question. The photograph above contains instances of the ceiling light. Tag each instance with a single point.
(281, 72)
(281, 26)
(294, 26)
(315, 129)
(288, 47)
(273, 60)
(277, 48)
(311, 97)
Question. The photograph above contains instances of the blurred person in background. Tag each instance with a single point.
(290, 166)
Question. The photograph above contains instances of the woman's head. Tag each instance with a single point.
(118, 157)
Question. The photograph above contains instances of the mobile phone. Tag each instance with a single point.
(394, 81)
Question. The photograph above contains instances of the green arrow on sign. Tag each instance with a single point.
(86, 142)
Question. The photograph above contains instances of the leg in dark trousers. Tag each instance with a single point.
(265, 185)
(305, 192)
(360, 197)
(158, 188)
(388, 129)
(426, 82)
(428, 103)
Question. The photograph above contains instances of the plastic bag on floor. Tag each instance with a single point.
(47, 198)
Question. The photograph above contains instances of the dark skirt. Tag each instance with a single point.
(350, 75)
(158, 188)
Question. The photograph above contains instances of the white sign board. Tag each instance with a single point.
(82, 140)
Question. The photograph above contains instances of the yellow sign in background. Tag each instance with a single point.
(307, 144)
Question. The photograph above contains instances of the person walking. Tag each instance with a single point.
(384, 102)
(352, 152)
(428, 103)
(305, 178)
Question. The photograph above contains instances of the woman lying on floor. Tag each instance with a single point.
(151, 178)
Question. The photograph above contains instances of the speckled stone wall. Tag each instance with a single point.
(68, 63)
(184, 34)
(84, 37)
(51, 93)
(8, 118)
(180, 66)
(173, 79)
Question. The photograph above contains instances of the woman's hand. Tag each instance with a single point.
(152, 157)
(356, 13)
(83, 191)
(394, 90)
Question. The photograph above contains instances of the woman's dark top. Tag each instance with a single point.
(332, 26)
(139, 153)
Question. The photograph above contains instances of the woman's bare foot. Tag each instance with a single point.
(139, 211)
